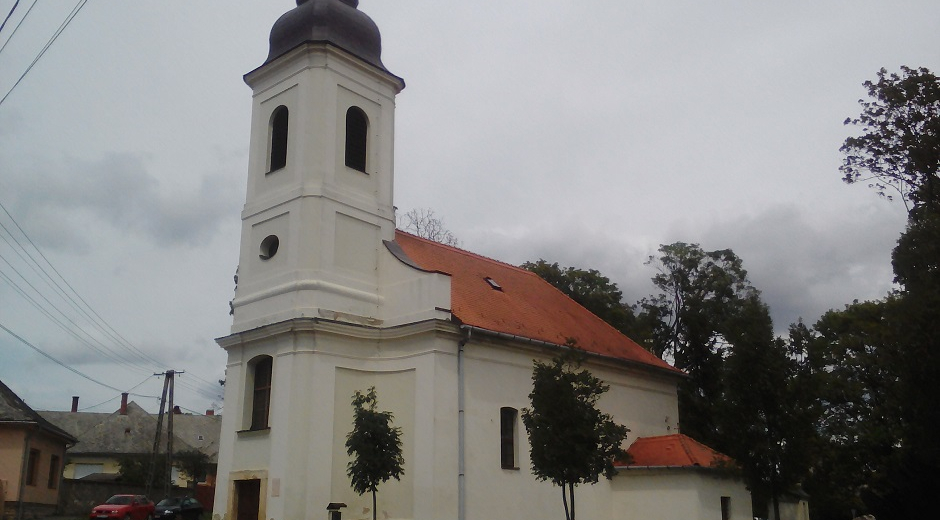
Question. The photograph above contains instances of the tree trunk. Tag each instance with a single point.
(774, 498)
(374, 512)
(564, 500)
(571, 490)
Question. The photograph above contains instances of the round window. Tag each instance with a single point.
(269, 247)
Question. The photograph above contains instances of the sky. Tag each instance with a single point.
(581, 132)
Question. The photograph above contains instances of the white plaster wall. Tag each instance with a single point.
(497, 376)
(303, 455)
(677, 494)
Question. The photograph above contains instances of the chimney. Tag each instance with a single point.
(124, 403)
(210, 412)
(74, 403)
(177, 411)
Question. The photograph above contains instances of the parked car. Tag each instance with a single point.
(124, 507)
(178, 509)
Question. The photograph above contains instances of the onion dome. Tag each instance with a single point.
(337, 22)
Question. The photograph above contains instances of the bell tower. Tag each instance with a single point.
(320, 177)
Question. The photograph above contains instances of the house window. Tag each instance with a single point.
(261, 392)
(278, 158)
(508, 418)
(357, 130)
(725, 508)
(32, 467)
(53, 472)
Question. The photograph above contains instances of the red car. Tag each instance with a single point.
(124, 507)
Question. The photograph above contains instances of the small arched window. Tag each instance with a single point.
(278, 158)
(261, 368)
(357, 131)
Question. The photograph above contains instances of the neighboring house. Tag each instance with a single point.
(331, 300)
(32, 451)
(105, 438)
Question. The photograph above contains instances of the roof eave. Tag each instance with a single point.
(672, 372)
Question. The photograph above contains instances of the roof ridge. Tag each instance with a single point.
(465, 252)
(682, 442)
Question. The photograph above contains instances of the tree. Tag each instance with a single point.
(853, 354)
(194, 464)
(426, 224)
(899, 149)
(590, 289)
(134, 470)
(701, 292)
(764, 418)
(893, 414)
(742, 396)
(572, 442)
(375, 446)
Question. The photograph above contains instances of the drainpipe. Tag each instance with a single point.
(461, 434)
(19, 499)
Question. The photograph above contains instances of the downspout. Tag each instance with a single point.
(461, 434)
(23, 471)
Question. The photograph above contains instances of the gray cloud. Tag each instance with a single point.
(65, 201)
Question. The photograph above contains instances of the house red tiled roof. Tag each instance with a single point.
(503, 298)
(675, 451)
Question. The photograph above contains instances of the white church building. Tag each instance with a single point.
(331, 299)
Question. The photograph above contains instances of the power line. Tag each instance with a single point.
(18, 24)
(97, 320)
(78, 7)
(63, 365)
(4, 24)
(128, 392)
(208, 391)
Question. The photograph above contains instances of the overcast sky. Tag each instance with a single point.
(583, 132)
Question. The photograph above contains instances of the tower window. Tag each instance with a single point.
(507, 437)
(357, 130)
(278, 157)
(261, 369)
(269, 247)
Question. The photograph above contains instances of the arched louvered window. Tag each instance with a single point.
(278, 158)
(357, 131)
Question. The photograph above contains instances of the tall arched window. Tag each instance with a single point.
(278, 158)
(357, 131)
(260, 369)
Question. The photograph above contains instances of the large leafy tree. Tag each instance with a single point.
(898, 151)
(742, 395)
(701, 295)
(763, 419)
(853, 356)
(374, 445)
(877, 364)
(572, 442)
(591, 289)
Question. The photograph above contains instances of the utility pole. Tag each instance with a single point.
(169, 437)
(168, 384)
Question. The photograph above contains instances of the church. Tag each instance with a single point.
(331, 300)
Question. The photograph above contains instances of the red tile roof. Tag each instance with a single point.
(675, 451)
(520, 303)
